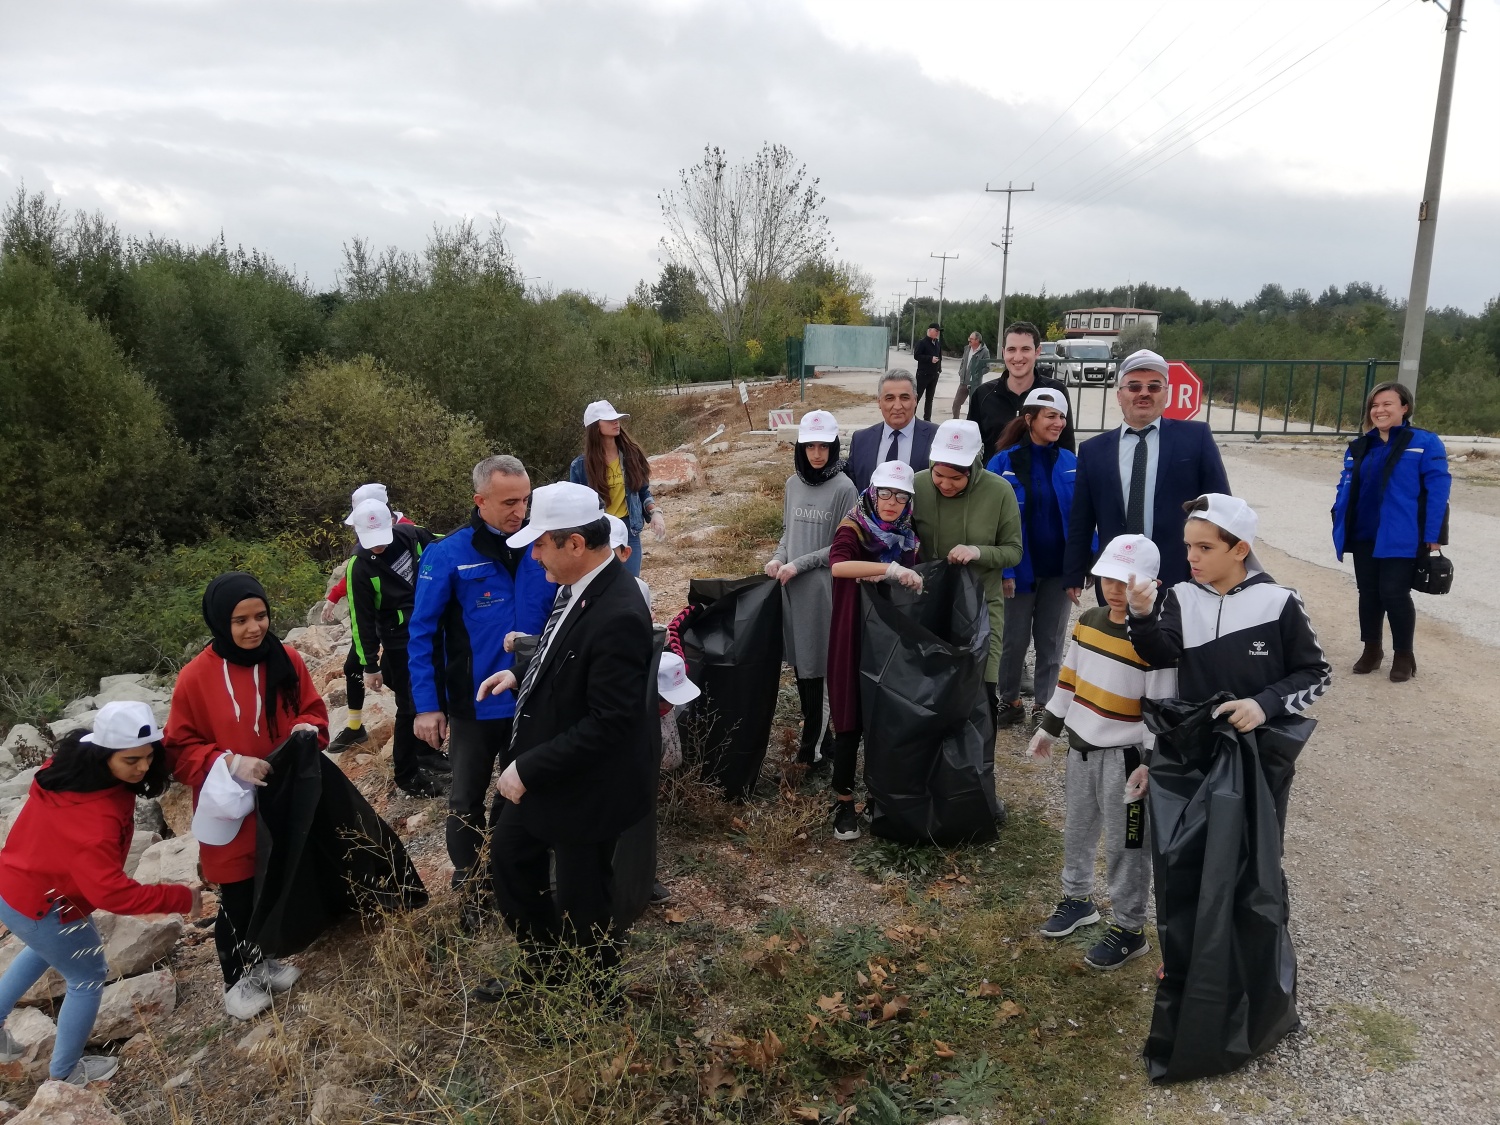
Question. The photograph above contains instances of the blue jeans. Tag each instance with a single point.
(634, 563)
(75, 951)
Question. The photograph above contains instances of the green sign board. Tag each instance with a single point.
(845, 345)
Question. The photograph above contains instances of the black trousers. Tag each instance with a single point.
(1384, 591)
(406, 750)
(354, 681)
(845, 761)
(577, 915)
(474, 745)
(926, 388)
(236, 956)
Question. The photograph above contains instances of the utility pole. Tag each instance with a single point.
(915, 282)
(1004, 247)
(942, 277)
(1421, 270)
(899, 301)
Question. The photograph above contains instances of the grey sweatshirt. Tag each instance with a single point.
(810, 516)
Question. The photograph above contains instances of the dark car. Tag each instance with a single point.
(1046, 359)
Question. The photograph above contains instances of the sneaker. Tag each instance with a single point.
(10, 1050)
(1010, 714)
(845, 821)
(349, 736)
(1116, 947)
(246, 999)
(1071, 913)
(275, 976)
(420, 784)
(659, 894)
(92, 1068)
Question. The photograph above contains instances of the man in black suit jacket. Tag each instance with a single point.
(1179, 461)
(580, 768)
(897, 396)
(928, 353)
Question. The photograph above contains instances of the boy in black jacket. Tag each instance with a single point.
(382, 588)
(1232, 628)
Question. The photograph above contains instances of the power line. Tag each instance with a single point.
(942, 277)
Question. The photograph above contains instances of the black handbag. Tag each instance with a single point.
(1433, 573)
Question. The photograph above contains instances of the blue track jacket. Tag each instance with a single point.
(467, 598)
(1415, 481)
(1014, 464)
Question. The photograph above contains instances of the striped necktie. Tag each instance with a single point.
(559, 605)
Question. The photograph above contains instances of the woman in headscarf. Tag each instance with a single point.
(817, 497)
(875, 542)
(237, 700)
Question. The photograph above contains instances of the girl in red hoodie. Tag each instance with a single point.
(64, 858)
(242, 696)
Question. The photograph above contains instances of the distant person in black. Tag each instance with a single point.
(929, 356)
(995, 403)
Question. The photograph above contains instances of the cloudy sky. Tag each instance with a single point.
(1211, 144)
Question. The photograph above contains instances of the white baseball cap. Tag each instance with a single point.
(1047, 396)
(368, 492)
(672, 682)
(371, 521)
(893, 474)
(601, 411)
(1234, 516)
(957, 443)
(818, 425)
(124, 725)
(1143, 360)
(556, 507)
(1125, 556)
(619, 534)
(223, 804)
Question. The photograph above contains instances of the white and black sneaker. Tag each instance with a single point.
(1071, 914)
(1117, 947)
(845, 821)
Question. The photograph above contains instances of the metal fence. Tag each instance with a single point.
(1260, 396)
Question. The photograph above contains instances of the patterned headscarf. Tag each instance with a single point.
(888, 540)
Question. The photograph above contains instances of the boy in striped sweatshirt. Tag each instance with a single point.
(1097, 709)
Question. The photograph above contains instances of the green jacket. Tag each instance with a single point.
(984, 515)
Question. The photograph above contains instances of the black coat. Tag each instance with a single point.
(380, 600)
(583, 747)
(994, 404)
(929, 356)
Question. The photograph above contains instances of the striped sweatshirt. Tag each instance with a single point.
(1099, 691)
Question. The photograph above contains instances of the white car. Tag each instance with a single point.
(1084, 363)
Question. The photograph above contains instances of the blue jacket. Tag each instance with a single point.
(1413, 491)
(466, 596)
(1014, 464)
(636, 502)
(1188, 465)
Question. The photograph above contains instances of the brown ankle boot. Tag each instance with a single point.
(1403, 667)
(1370, 661)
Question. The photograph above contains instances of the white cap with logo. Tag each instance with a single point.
(893, 474)
(957, 442)
(672, 682)
(124, 725)
(1234, 516)
(372, 522)
(1127, 556)
(1143, 360)
(619, 534)
(223, 804)
(557, 507)
(1047, 396)
(818, 425)
(601, 411)
(365, 492)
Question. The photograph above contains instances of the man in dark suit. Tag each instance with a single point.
(928, 353)
(580, 768)
(1135, 479)
(902, 436)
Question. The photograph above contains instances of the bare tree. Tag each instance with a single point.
(738, 226)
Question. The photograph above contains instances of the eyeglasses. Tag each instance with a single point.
(892, 494)
(1137, 388)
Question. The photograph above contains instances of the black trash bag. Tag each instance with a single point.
(733, 651)
(929, 737)
(1229, 989)
(322, 853)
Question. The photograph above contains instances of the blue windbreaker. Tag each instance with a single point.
(1064, 474)
(1415, 479)
(468, 598)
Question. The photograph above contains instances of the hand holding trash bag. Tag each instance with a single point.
(250, 769)
(1243, 714)
(905, 575)
(963, 554)
(773, 568)
(1040, 745)
(785, 574)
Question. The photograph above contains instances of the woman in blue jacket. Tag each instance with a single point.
(1041, 472)
(615, 467)
(1391, 507)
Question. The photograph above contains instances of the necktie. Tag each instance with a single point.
(564, 593)
(893, 453)
(1135, 509)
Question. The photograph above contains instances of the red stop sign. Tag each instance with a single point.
(1184, 392)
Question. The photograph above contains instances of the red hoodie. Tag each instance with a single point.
(71, 848)
(211, 716)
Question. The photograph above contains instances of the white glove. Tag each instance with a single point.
(773, 568)
(658, 525)
(1141, 596)
(905, 575)
(1243, 714)
(963, 554)
(246, 768)
(1137, 784)
(1040, 745)
(786, 574)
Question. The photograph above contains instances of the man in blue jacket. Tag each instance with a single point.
(473, 592)
(1135, 479)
